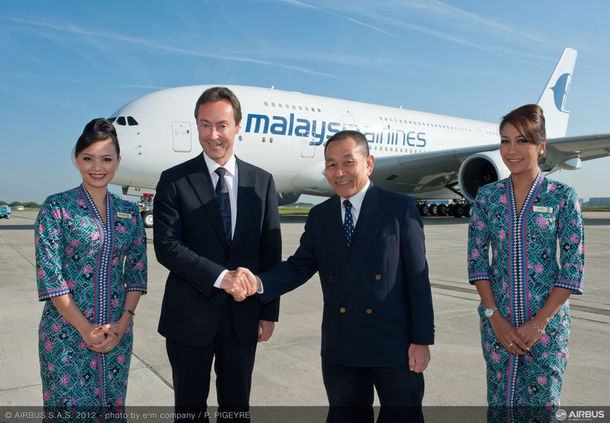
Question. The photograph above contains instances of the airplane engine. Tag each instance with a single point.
(285, 198)
(480, 169)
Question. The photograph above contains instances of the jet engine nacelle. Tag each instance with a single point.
(481, 169)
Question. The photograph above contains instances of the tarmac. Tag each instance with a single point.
(287, 370)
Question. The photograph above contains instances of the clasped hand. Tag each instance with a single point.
(240, 283)
(103, 338)
(516, 340)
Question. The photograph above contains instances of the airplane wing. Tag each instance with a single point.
(439, 170)
(587, 147)
(423, 172)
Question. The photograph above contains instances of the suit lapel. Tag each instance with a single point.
(364, 233)
(202, 185)
(245, 182)
(334, 231)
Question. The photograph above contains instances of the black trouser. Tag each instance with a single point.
(233, 365)
(350, 393)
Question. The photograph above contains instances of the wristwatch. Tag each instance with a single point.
(490, 311)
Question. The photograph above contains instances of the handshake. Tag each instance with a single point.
(240, 283)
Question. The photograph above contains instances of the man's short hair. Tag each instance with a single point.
(217, 94)
(357, 136)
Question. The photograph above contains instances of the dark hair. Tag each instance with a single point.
(97, 130)
(359, 137)
(218, 94)
(529, 121)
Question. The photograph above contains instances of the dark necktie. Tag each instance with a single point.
(224, 204)
(348, 223)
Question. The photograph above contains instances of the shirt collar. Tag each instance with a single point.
(212, 165)
(358, 198)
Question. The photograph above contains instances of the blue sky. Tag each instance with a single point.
(64, 63)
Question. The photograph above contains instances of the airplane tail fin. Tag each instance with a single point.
(552, 100)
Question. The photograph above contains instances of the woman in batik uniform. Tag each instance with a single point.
(91, 272)
(525, 315)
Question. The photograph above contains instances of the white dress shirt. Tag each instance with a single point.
(231, 181)
(356, 201)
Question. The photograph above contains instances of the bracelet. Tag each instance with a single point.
(126, 310)
(540, 331)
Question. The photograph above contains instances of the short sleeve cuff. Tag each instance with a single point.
(53, 292)
(141, 287)
(478, 276)
(574, 286)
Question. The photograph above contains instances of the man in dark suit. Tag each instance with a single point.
(367, 244)
(212, 214)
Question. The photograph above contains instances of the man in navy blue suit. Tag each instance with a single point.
(367, 244)
(212, 214)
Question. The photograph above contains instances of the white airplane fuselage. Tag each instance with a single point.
(284, 132)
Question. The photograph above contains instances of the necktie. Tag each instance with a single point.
(224, 204)
(348, 223)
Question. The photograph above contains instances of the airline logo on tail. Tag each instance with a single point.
(560, 91)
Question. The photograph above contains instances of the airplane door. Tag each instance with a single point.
(346, 117)
(181, 136)
(308, 148)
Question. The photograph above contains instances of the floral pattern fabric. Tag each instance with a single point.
(522, 272)
(97, 263)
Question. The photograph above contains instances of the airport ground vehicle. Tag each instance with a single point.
(5, 212)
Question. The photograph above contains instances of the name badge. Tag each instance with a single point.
(122, 215)
(540, 209)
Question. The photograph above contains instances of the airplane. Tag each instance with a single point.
(428, 156)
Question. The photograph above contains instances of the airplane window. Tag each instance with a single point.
(131, 121)
(112, 119)
(121, 120)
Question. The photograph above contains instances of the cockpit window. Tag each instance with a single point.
(131, 121)
(112, 119)
(121, 120)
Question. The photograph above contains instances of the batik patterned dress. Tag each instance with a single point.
(96, 262)
(523, 271)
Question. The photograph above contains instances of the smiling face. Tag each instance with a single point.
(97, 164)
(519, 155)
(217, 129)
(347, 167)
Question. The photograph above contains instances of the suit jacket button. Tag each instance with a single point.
(377, 277)
(342, 310)
(369, 311)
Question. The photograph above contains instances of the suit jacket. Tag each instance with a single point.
(189, 240)
(377, 298)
